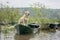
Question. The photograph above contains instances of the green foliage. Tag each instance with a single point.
(9, 15)
(38, 17)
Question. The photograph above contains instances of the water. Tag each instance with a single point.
(42, 35)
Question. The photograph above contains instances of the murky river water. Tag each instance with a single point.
(42, 35)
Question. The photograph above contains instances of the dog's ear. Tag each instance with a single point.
(27, 12)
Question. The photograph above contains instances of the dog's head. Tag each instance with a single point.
(27, 13)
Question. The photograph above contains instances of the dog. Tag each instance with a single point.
(23, 20)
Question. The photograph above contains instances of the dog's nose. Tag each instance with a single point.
(28, 14)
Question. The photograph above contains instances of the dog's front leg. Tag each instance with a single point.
(24, 22)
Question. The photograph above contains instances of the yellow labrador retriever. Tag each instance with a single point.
(23, 20)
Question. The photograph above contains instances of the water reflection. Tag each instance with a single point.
(22, 37)
(43, 35)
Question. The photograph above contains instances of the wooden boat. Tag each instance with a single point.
(29, 29)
